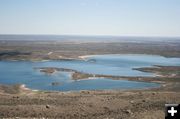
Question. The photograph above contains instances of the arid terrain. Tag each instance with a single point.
(16, 101)
(44, 50)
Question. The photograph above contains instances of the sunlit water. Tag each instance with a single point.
(23, 72)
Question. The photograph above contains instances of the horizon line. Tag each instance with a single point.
(86, 35)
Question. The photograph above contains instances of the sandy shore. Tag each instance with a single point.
(84, 57)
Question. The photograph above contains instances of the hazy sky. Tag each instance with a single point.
(91, 17)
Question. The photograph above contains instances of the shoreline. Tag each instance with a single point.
(82, 76)
(163, 82)
(83, 57)
(89, 104)
(24, 88)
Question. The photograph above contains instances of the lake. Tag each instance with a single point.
(23, 72)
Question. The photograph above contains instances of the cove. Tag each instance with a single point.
(23, 72)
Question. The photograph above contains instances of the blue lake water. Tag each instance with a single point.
(23, 72)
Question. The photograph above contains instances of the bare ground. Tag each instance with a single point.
(137, 104)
